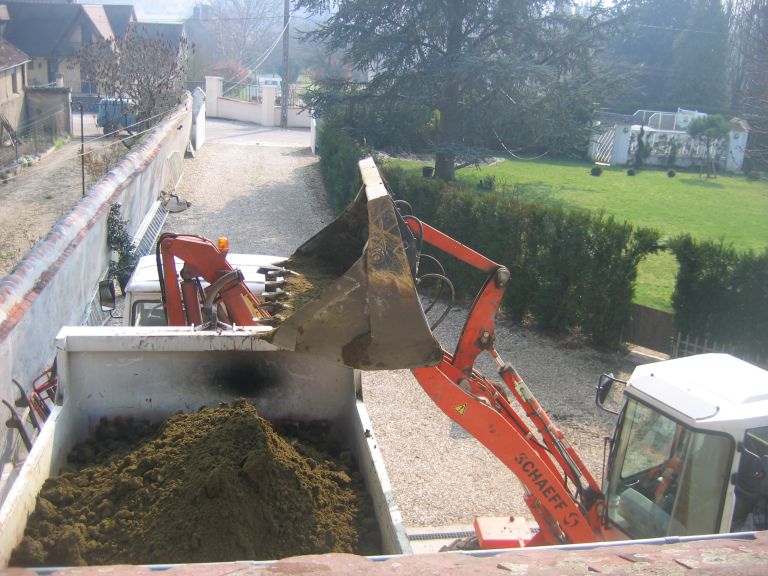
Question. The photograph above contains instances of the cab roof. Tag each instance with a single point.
(706, 388)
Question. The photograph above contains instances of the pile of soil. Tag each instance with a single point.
(308, 282)
(212, 486)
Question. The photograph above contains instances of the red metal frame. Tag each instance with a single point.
(543, 462)
(183, 295)
(43, 394)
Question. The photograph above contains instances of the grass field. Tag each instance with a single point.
(727, 207)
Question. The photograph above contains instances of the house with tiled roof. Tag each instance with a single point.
(13, 79)
(120, 16)
(53, 34)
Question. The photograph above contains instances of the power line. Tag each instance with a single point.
(680, 29)
(248, 65)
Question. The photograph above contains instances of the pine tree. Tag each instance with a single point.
(463, 59)
(642, 52)
(700, 56)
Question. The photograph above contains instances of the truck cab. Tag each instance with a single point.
(690, 451)
(114, 113)
(143, 300)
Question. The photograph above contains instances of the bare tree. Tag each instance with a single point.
(240, 26)
(749, 56)
(147, 69)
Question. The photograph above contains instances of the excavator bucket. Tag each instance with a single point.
(352, 293)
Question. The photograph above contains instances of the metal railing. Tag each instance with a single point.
(239, 91)
(689, 345)
(253, 93)
(294, 96)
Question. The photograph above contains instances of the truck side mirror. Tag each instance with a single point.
(604, 385)
(107, 297)
(764, 461)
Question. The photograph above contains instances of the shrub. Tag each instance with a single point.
(721, 294)
(671, 173)
(569, 269)
(631, 172)
(753, 175)
(596, 171)
(98, 163)
(338, 163)
(487, 183)
(119, 241)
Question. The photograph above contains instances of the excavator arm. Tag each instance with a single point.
(542, 459)
(224, 301)
(350, 296)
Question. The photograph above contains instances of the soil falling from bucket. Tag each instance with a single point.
(216, 485)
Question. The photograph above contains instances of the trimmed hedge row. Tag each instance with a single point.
(339, 154)
(569, 270)
(722, 294)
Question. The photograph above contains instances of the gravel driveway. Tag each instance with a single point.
(266, 199)
(269, 199)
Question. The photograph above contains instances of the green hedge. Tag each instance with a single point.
(569, 270)
(339, 154)
(722, 294)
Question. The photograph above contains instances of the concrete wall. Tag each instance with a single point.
(53, 103)
(264, 113)
(12, 82)
(37, 72)
(13, 109)
(55, 282)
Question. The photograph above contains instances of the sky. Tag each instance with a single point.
(156, 9)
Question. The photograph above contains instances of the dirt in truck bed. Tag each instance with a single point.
(308, 283)
(220, 484)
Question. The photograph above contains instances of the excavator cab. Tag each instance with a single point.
(689, 444)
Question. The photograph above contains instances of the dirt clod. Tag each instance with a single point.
(216, 485)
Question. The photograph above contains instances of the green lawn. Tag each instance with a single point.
(727, 207)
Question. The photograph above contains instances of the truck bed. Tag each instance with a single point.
(152, 374)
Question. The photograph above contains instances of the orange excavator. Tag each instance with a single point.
(684, 459)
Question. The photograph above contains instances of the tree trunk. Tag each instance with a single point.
(448, 129)
(445, 164)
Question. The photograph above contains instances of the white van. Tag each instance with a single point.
(143, 302)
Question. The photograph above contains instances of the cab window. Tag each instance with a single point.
(148, 313)
(750, 511)
(666, 479)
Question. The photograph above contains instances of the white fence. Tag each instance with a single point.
(690, 345)
(615, 142)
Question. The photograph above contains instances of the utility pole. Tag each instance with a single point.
(284, 79)
(82, 148)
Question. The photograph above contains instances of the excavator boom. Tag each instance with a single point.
(349, 294)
